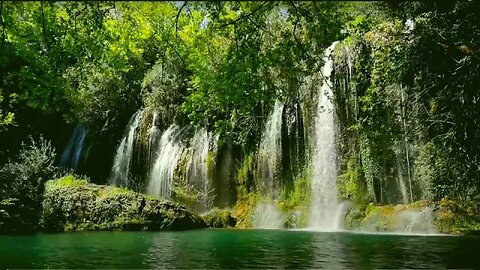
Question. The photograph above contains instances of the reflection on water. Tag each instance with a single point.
(236, 249)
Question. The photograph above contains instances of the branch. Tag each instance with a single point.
(44, 27)
(178, 16)
(260, 27)
(294, 30)
(166, 39)
(3, 24)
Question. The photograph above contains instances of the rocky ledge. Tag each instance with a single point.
(72, 204)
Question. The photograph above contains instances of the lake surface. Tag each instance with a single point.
(237, 249)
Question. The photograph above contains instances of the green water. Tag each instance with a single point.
(237, 249)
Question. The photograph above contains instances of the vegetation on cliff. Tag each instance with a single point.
(405, 82)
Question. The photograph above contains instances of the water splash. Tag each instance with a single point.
(120, 174)
(267, 216)
(417, 221)
(169, 151)
(72, 154)
(325, 205)
(270, 152)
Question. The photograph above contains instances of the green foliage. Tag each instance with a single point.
(296, 203)
(299, 198)
(6, 118)
(455, 217)
(411, 92)
(351, 185)
(164, 89)
(244, 175)
(22, 185)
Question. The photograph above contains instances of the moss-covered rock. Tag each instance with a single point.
(220, 218)
(414, 217)
(456, 218)
(444, 216)
(72, 204)
(244, 210)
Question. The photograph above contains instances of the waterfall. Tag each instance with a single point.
(73, 152)
(270, 151)
(324, 204)
(197, 166)
(267, 215)
(120, 174)
(169, 151)
(405, 138)
(153, 135)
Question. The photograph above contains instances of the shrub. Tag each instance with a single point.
(22, 185)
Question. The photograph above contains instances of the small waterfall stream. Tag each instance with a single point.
(325, 207)
(169, 150)
(120, 174)
(153, 136)
(197, 165)
(267, 215)
(72, 154)
(270, 152)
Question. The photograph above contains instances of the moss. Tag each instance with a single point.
(244, 175)
(211, 164)
(74, 205)
(244, 210)
(458, 218)
(350, 186)
(69, 181)
(448, 216)
(382, 218)
(295, 204)
(220, 218)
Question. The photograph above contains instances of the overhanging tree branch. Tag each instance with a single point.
(178, 16)
(3, 24)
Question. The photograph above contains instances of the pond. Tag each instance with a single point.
(237, 249)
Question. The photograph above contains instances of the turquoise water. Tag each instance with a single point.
(237, 249)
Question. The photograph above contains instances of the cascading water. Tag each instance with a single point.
(73, 152)
(197, 166)
(170, 149)
(270, 152)
(266, 214)
(400, 179)
(120, 174)
(153, 135)
(325, 208)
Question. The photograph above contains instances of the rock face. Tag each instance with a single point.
(72, 204)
